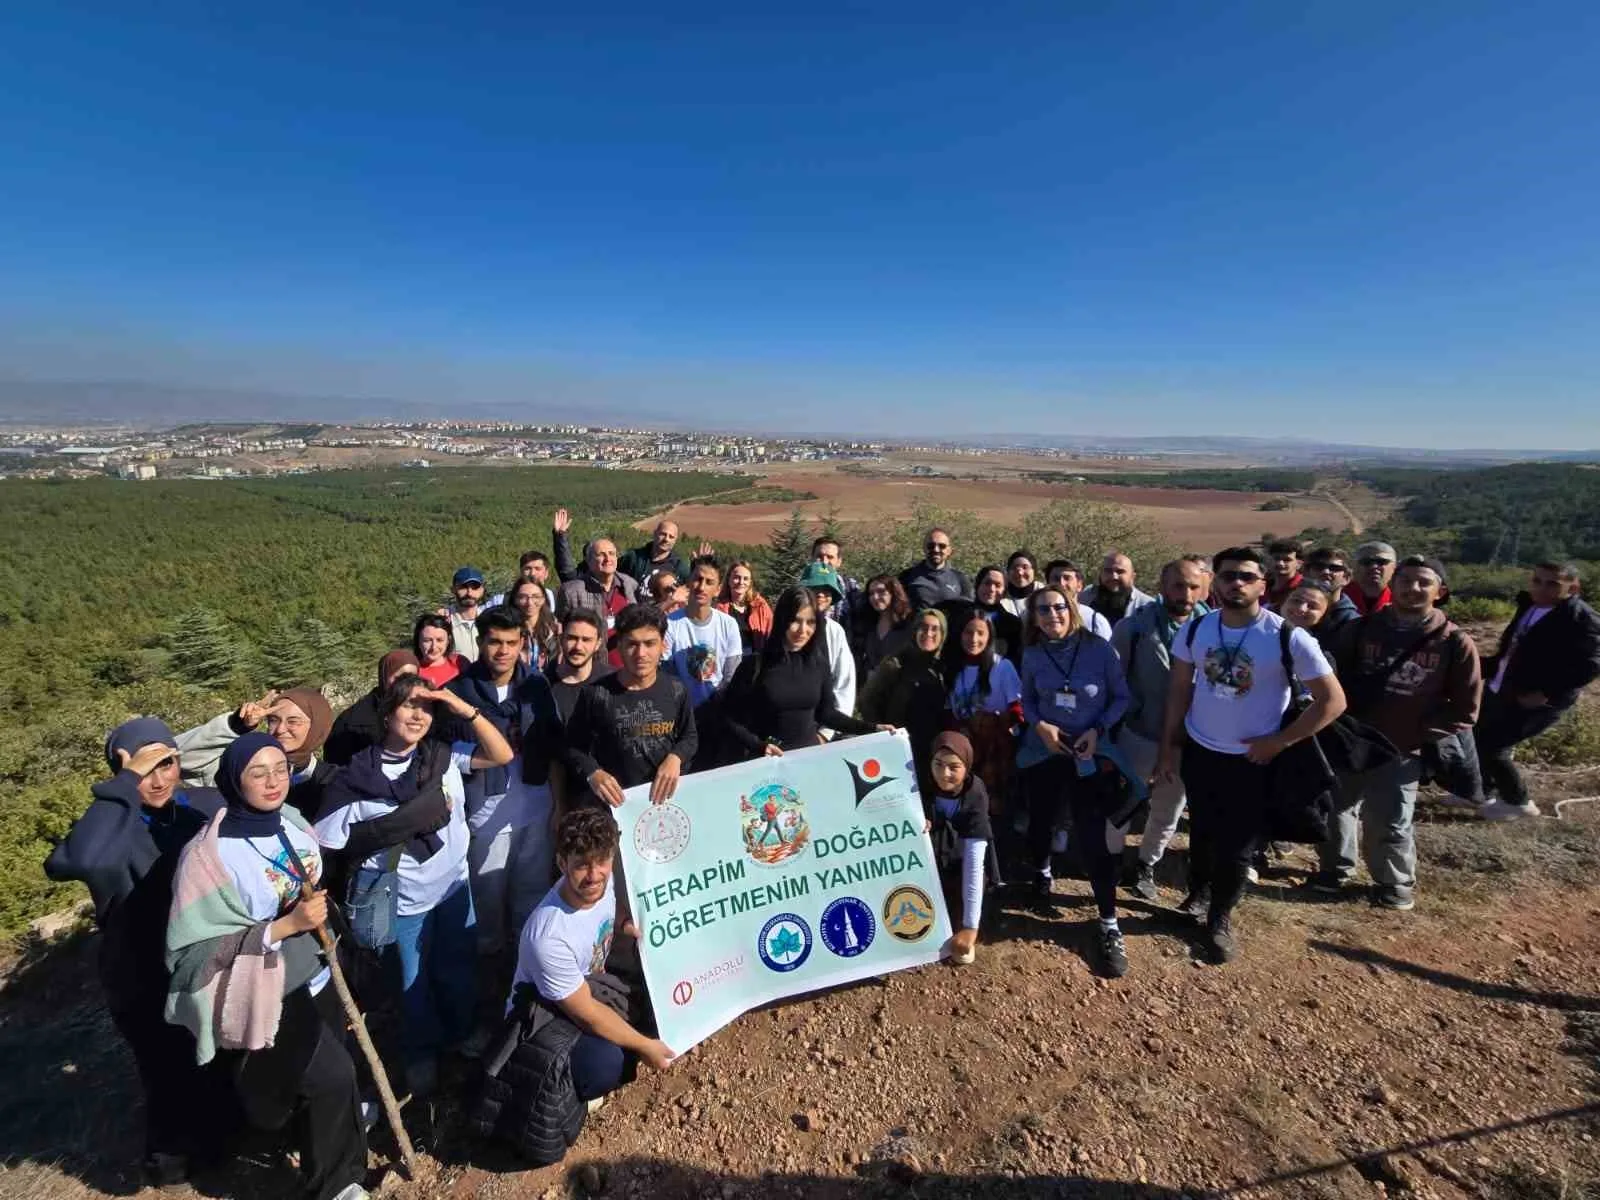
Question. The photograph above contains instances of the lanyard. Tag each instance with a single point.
(1230, 654)
(1077, 644)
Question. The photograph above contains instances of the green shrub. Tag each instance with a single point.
(1481, 608)
(1573, 741)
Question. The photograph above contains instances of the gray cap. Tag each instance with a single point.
(1375, 550)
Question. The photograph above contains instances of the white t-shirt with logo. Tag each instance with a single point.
(562, 946)
(705, 656)
(1240, 690)
(267, 878)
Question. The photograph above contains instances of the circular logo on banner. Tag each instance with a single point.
(785, 942)
(661, 833)
(848, 927)
(682, 993)
(908, 914)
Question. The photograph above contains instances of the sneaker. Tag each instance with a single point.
(595, 1105)
(354, 1192)
(1499, 810)
(1329, 883)
(1113, 953)
(1219, 943)
(163, 1170)
(1196, 904)
(1251, 875)
(1144, 883)
(1394, 897)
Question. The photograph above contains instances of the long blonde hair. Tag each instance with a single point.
(1030, 623)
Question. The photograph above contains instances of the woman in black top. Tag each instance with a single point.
(989, 594)
(881, 626)
(785, 693)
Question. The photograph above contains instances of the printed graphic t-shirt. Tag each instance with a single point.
(562, 946)
(704, 656)
(267, 879)
(1240, 690)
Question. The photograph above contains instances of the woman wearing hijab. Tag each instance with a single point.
(777, 700)
(541, 634)
(908, 691)
(299, 718)
(985, 701)
(989, 598)
(125, 848)
(1022, 581)
(361, 725)
(248, 977)
(398, 814)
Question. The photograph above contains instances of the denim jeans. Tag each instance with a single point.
(597, 1066)
(437, 956)
(511, 870)
(1381, 802)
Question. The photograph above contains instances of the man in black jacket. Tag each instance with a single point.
(1547, 655)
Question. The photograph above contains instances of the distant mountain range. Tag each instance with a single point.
(144, 405)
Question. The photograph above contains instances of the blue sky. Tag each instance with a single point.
(1354, 221)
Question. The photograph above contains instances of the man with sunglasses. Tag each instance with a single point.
(1374, 569)
(1330, 567)
(1548, 654)
(468, 588)
(933, 582)
(1229, 693)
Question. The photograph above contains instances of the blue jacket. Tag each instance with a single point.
(1100, 692)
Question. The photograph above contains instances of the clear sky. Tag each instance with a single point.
(1354, 220)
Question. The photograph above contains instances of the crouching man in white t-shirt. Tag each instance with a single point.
(566, 941)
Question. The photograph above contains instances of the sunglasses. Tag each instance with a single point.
(938, 545)
(1329, 569)
(1239, 577)
(1049, 608)
(1374, 562)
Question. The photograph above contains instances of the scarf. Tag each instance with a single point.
(315, 707)
(134, 735)
(391, 664)
(418, 795)
(240, 820)
(476, 688)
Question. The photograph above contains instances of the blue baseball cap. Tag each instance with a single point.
(466, 575)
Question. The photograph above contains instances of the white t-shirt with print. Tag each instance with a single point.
(422, 884)
(705, 656)
(1240, 690)
(562, 946)
(267, 880)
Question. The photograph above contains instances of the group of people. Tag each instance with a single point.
(453, 823)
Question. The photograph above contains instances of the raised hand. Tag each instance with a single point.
(562, 521)
(253, 712)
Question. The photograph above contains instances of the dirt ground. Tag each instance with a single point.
(1204, 520)
(1450, 1052)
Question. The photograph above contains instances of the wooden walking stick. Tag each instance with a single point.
(391, 1107)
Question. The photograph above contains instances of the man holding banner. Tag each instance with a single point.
(778, 877)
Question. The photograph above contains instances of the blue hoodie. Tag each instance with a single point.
(1099, 692)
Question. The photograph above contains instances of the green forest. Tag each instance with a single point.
(184, 597)
(1513, 514)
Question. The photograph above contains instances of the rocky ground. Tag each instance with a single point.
(1448, 1052)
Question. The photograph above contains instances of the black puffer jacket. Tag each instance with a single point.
(528, 1100)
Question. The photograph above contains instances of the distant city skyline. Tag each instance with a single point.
(1358, 223)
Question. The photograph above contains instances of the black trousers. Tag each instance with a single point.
(189, 1110)
(1227, 813)
(308, 1076)
(1055, 784)
(1501, 725)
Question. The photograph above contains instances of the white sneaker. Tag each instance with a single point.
(1499, 810)
(1251, 875)
(596, 1104)
(354, 1192)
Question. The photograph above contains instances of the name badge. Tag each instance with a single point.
(611, 621)
(1066, 700)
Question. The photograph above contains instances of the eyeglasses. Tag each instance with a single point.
(266, 774)
(1374, 562)
(1239, 577)
(287, 723)
(1041, 609)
